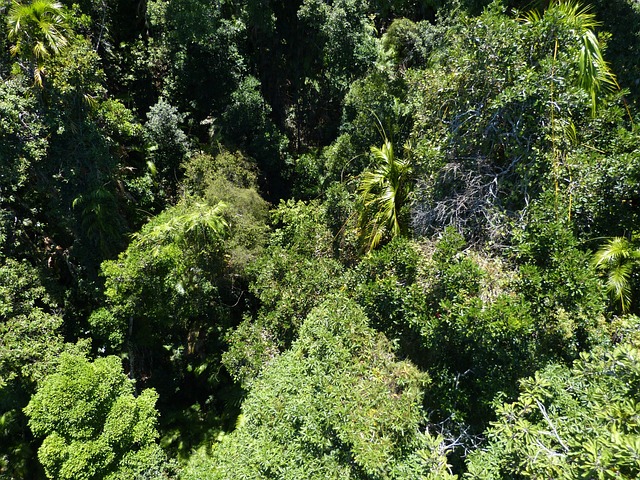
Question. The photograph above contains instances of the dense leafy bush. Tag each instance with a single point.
(337, 405)
(570, 422)
(94, 426)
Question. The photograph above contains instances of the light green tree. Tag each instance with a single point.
(338, 405)
(30, 348)
(93, 425)
(581, 422)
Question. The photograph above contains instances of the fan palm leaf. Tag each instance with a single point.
(39, 30)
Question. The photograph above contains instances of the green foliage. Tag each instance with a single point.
(569, 423)
(252, 346)
(379, 99)
(175, 343)
(289, 279)
(39, 30)
(22, 134)
(594, 74)
(193, 227)
(76, 84)
(300, 227)
(477, 333)
(340, 212)
(385, 192)
(619, 256)
(167, 142)
(476, 323)
(309, 175)
(622, 46)
(384, 284)
(345, 35)
(23, 144)
(561, 285)
(407, 43)
(246, 123)
(94, 426)
(119, 123)
(337, 45)
(604, 183)
(493, 109)
(80, 167)
(195, 45)
(481, 95)
(231, 178)
(30, 346)
(288, 286)
(337, 405)
(97, 221)
(211, 306)
(193, 256)
(178, 256)
(29, 325)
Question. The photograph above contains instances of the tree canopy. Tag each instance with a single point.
(300, 239)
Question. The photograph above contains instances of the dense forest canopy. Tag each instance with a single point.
(319, 239)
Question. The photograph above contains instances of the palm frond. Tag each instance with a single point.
(187, 226)
(40, 50)
(618, 256)
(384, 192)
(532, 16)
(613, 252)
(38, 29)
(579, 15)
(618, 285)
(38, 73)
(594, 73)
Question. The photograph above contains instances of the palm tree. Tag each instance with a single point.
(190, 225)
(384, 192)
(619, 256)
(594, 74)
(39, 30)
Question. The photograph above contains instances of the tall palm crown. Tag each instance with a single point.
(594, 74)
(384, 192)
(39, 30)
(186, 224)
